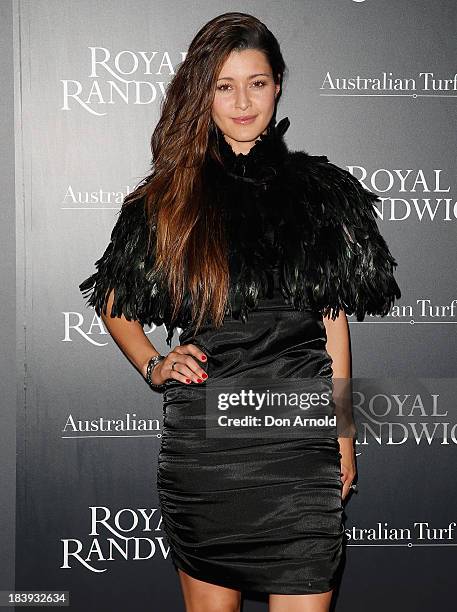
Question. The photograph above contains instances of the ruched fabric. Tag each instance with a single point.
(257, 514)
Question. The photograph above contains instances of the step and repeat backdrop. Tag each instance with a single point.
(372, 84)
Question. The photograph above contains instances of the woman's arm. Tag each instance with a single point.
(135, 345)
(338, 344)
(130, 338)
(338, 347)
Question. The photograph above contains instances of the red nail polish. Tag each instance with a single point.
(204, 375)
(188, 380)
(203, 357)
(199, 380)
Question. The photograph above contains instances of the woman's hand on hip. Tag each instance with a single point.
(183, 364)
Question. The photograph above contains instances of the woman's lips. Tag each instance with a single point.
(244, 120)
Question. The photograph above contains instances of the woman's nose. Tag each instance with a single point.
(242, 98)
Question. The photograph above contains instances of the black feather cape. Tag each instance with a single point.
(329, 252)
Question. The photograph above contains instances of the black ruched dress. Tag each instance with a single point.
(259, 514)
(256, 514)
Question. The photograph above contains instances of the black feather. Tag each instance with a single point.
(346, 263)
(328, 247)
(126, 268)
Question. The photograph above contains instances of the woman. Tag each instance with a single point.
(257, 254)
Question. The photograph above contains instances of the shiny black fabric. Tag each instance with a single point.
(252, 514)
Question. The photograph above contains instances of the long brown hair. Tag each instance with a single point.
(190, 254)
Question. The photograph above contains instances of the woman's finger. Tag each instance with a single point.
(190, 355)
(182, 366)
(183, 369)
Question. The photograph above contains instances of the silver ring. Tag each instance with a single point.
(353, 486)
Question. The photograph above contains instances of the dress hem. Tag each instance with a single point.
(324, 587)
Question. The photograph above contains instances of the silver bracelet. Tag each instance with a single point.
(151, 365)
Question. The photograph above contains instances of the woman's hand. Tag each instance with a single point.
(348, 469)
(186, 358)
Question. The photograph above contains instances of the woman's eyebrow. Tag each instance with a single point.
(249, 77)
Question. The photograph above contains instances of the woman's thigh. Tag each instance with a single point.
(200, 596)
(319, 602)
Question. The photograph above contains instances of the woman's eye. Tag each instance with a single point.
(258, 85)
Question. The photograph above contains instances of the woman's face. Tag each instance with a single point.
(244, 88)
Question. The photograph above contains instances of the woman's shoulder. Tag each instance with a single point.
(319, 172)
(131, 234)
(131, 217)
(349, 264)
(329, 192)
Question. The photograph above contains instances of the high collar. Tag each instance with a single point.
(262, 162)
